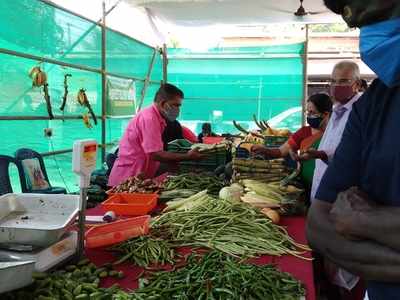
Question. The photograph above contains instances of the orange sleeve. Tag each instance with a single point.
(296, 138)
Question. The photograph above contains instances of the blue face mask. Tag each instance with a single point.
(380, 48)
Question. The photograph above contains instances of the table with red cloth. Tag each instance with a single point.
(299, 268)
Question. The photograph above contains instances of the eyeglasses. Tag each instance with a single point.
(342, 81)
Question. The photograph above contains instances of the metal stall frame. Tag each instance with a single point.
(165, 63)
(102, 71)
(305, 76)
(103, 84)
(147, 81)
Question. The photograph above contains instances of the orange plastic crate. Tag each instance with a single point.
(134, 204)
(117, 232)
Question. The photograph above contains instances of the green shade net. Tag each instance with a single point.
(226, 84)
(131, 59)
(36, 28)
(19, 98)
(220, 85)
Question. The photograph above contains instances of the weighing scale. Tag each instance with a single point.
(34, 227)
(83, 164)
(45, 258)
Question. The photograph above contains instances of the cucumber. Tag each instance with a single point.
(83, 262)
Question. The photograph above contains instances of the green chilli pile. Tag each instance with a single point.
(145, 251)
(195, 182)
(218, 276)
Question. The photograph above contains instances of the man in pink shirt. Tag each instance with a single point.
(141, 148)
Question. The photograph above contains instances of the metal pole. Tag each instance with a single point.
(103, 85)
(65, 64)
(48, 60)
(37, 118)
(146, 82)
(165, 63)
(83, 191)
(52, 153)
(82, 219)
(233, 57)
(305, 76)
(121, 117)
(260, 82)
(124, 76)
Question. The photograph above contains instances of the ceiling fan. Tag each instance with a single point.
(301, 11)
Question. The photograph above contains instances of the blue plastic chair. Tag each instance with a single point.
(5, 182)
(24, 153)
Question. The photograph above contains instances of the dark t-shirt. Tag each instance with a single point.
(369, 157)
(173, 131)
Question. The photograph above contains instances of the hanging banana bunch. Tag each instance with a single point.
(64, 99)
(39, 78)
(83, 100)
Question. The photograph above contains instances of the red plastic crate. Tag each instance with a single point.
(213, 139)
(134, 204)
(117, 232)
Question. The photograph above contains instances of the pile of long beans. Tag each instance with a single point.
(218, 276)
(145, 251)
(166, 196)
(196, 182)
(230, 227)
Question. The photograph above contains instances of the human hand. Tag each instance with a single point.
(195, 155)
(360, 201)
(294, 155)
(259, 150)
(345, 213)
(309, 154)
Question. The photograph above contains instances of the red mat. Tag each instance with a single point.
(300, 269)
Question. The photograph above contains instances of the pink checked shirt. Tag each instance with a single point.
(142, 137)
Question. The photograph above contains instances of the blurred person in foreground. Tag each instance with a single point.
(354, 221)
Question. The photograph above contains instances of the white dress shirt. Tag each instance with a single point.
(331, 139)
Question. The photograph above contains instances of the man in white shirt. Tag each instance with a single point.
(345, 84)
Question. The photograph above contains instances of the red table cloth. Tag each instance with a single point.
(299, 268)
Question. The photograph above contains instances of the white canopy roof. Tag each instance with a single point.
(198, 21)
(211, 12)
